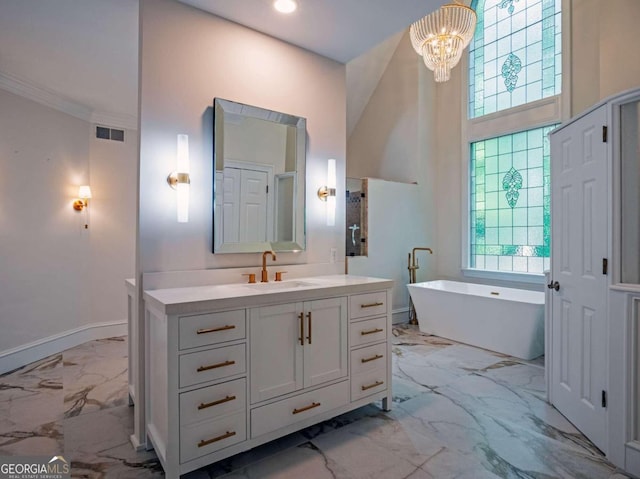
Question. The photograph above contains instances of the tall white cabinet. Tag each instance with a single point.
(593, 299)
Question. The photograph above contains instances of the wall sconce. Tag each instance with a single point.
(179, 180)
(84, 194)
(328, 192)
(82, 202)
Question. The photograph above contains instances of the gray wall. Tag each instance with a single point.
(57, 276)
(188, 57)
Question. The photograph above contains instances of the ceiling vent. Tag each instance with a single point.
(109, 133)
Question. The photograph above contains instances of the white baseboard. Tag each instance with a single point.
(15, 358)
(400, 315)
(137, 446)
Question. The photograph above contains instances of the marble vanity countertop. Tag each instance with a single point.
(198, 299)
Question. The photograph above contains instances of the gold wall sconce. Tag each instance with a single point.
(84, 194)
(327, 193)
(179, 180)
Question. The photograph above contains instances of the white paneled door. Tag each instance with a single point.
(579, 285)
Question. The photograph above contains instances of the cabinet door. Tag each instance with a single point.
(276, 352)
(325, 344)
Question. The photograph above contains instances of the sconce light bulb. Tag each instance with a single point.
(180, 179)
(183, 154)
(331, 173)
(331, 192)
(331, 210)
(84, 192)
(182, 193)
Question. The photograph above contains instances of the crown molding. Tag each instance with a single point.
(115, 120)
(45, 96)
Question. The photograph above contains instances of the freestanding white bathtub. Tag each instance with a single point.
(506, 320)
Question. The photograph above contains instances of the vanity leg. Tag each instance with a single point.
(387, 401)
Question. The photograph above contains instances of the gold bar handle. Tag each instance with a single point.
(372, 331)
(374, 385)
(306, 408)
(372, 305)
(214, 366)
(215, 330)
(301, 338)
(216, 439)
(373, 358)
(309, 318)
(215, 403)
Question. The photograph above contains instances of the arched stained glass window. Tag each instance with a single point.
(515, 55)
(515, 58)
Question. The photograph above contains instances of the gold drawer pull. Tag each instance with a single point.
(216, 439)
(372, 331)
(215, 403)
(372, 305)
(301, 338)
(373, 358)
(215, 330)
(374, 385)
(214, 366)
(306, 408)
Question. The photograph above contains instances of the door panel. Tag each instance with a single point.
(579, 314)
(253, 206)
(276, 352)
(325, 355)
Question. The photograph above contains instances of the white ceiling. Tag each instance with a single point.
(82, 55)
(339, 29)
(82, 51)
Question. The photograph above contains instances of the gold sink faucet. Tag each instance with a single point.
(265, 276)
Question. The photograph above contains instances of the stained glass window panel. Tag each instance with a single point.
(515, 56)
(510, 202)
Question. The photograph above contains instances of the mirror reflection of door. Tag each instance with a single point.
(246, 202)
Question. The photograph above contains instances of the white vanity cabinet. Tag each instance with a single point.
(293, 354)
(231, 367)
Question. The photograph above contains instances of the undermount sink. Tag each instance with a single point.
(279, 285)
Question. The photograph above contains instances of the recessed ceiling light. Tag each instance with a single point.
(285, 6)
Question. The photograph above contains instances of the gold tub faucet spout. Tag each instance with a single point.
(413, 263)
(413, 266)
(265, 276)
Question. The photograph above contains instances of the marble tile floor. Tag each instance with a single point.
(458, 412)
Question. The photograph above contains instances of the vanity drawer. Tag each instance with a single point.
(367, 383)
(368, 304)
(369, 358)
(213, 401)
(212, 364)
(368, 331)
(281, 414)
(212, 328)
(206, 437)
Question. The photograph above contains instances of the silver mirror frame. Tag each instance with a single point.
(225, 108)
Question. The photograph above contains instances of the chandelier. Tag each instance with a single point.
(442, 36)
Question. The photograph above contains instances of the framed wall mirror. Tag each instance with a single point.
(259, 179)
